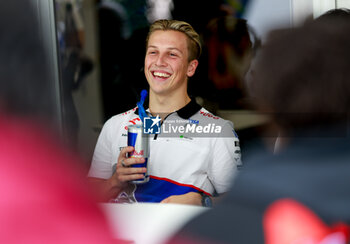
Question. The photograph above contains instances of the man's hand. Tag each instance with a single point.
(124, 173)
(192, 198)
(112, 187)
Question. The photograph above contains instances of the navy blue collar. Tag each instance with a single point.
(185, 112)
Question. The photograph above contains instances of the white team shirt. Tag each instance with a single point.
(180, 161)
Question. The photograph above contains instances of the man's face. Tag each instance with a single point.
(166, 63)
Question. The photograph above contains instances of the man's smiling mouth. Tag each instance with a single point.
(161, 74)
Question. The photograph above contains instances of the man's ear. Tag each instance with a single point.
(192, 67)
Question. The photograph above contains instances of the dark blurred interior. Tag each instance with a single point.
(115, 33)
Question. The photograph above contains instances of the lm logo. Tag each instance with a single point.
(151, 125)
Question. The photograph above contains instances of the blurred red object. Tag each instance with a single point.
(287, 221)
(44, 194)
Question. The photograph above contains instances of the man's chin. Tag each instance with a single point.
(159, 89)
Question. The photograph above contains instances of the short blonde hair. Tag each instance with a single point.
(194, 44)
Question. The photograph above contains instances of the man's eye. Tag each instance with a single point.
(173, 54)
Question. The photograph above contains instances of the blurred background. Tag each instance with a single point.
(96, 52)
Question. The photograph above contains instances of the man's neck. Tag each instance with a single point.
(165, 104)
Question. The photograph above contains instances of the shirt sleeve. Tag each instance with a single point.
(226, 158)
(101, 165)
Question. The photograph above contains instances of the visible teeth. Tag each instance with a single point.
(161, 74)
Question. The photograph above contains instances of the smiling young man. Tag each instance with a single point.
(189, 165)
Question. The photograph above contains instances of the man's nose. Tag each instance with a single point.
(161, 60)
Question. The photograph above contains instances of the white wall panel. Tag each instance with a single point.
(301, 10)
(321, 6)
(343, 4)
(266, 15)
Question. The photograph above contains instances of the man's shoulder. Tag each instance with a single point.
(204, 114)
(204, 117)
(126, 117)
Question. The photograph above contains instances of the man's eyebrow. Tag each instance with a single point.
(169, 48)
(174, 48)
